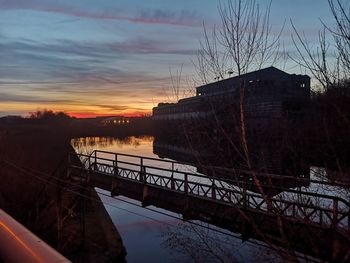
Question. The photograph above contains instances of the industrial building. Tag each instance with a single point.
(265, 93)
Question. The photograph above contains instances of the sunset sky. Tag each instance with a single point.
(108, 57)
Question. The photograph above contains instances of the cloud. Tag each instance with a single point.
(103, 76)
(56, 63)
(14, 97)
(157, 16)
(181, 18)
(160, 17)
(148, 46)
(72, 62)
(118, 107)
(111, 107)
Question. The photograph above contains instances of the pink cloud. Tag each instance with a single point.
(170, 20)
(180, 18)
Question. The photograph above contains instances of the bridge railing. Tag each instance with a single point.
(18, 244)
(243, 177)
(322, 209)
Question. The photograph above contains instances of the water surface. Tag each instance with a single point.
(151, 236)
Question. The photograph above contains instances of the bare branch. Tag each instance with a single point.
(243, 43)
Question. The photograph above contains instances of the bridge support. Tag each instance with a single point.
(114, 187)
(213, 190)
(145, 196)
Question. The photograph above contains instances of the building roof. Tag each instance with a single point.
(230, 84)
(270, 73)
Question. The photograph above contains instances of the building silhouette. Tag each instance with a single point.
(266, 93)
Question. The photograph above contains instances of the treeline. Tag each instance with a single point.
(47, 116)
(75, 127)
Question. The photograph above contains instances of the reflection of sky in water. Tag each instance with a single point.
(141, 146)
(141, 236)
(144, 235)
(143, 231)
(130, 145)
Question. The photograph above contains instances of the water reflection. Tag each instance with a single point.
(214, 163)
(138, 145)
(264, 159)
(200, 244)
(152, 237)
(142, 235)
(282, 171)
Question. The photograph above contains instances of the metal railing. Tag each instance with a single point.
(322, 209)
(18, 244)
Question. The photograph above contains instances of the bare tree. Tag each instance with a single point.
(176, 82)
(244, 41)
(316, 59)
(181, 86)
(341, 31)
(329, 60)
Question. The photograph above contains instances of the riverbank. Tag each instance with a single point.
(35, 191)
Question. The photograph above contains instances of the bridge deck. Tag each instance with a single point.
(227, 203)
(322, 209)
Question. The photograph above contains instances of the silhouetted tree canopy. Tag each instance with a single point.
(49, 116)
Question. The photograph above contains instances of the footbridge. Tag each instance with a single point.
(311, 220)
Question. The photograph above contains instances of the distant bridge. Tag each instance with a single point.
(295, 215)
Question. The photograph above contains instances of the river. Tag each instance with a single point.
(155, 235)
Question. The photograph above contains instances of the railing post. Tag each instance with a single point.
(213, 190)
(145, 186)
(335, 211)
(244, 197)
(186, 183)
(172, 170)
(89, 159)
(95, 163)
(114, 188)
(89, 173)
(142, 171)
(116, 172)
(172, 182)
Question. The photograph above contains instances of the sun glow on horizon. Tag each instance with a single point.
(96, 115)
(87, 63)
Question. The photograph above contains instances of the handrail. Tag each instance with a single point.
(258, 175)
(88, 157)
(227, 180)
(328, 209)
(330, 212)
(329, 197)
(235, 171)
(18, 244)
(143, 157)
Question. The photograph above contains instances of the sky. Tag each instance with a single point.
(107, 57)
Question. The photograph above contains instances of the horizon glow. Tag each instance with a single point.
(101, 58)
